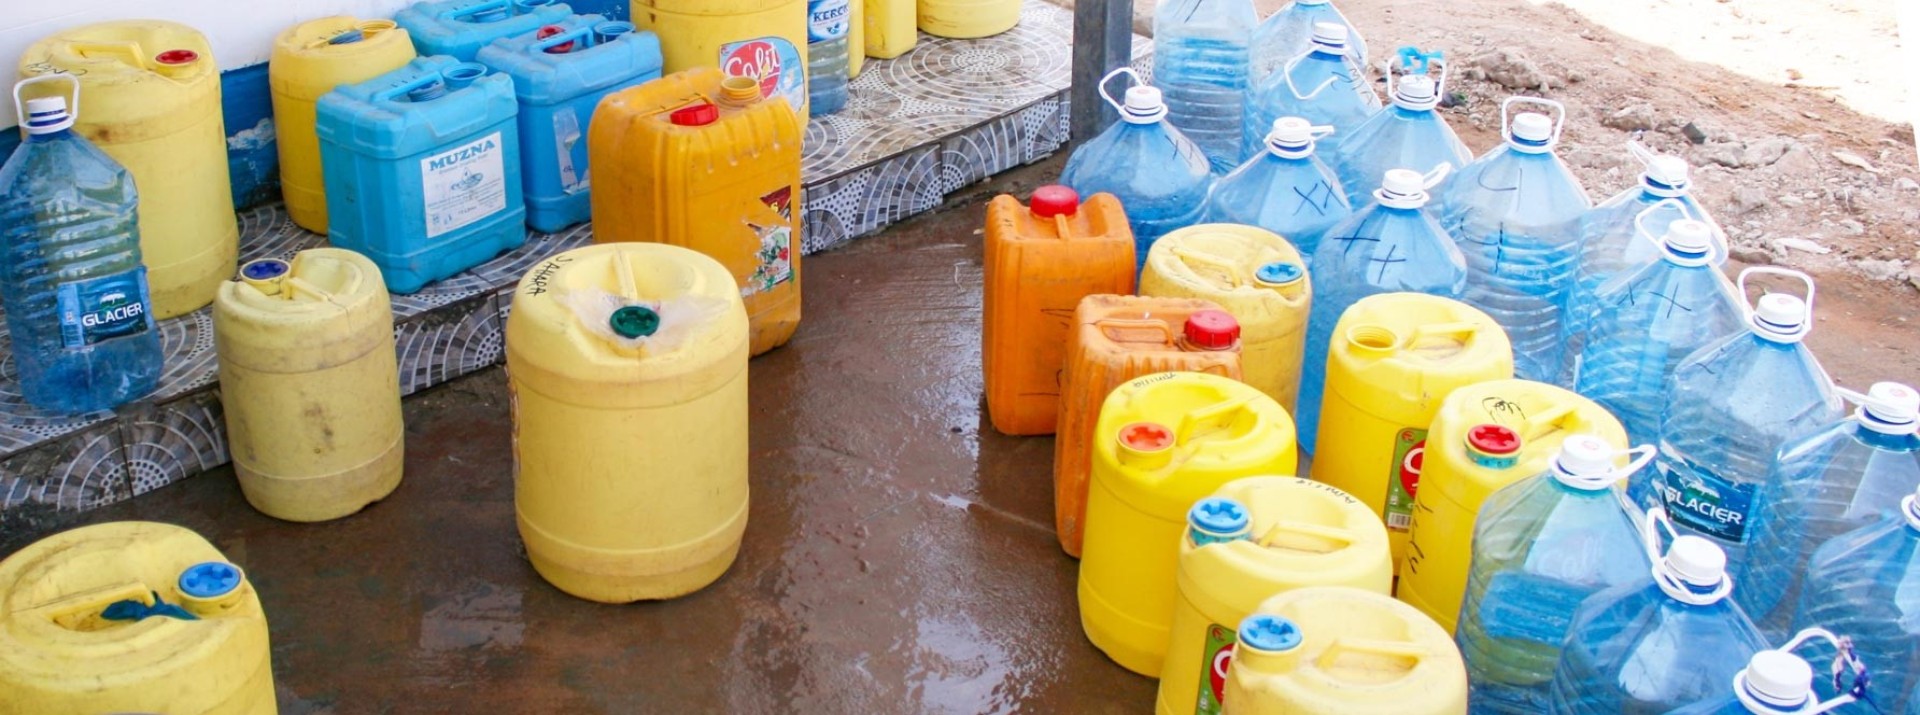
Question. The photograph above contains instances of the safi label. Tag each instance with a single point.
(773, 61)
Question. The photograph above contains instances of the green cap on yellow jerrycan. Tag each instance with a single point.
(1484, 437)
(1334, 650)
(618, 355)
(130, 616)
(1291, 533)
(1394, 358)
(1163, 442)
(1257, 277)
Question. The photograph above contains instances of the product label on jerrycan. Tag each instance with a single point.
(1403, 476)
(1215, 656)
(464, 184)
(773, 61)
(773, 261)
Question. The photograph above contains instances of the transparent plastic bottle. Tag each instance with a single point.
(1541, 546)
(1323, 85)
(1866, 584)
(1516, 213)
(1407, 134)
(1160, 177)
(71, 280)
(1200, 61)
(827, 26)
(1391, 245)
(1285, 189)
(1288, 31)
(1777, 682)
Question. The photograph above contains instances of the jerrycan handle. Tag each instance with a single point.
(1212, 418)
(1465, 330)
(1539, 425)
(1371, 646)
(490, 11)
(1558, 112)
(1108, 325)
(73, 95)
(67, 612)
(1197, 256)
(1331, 533)
(127, 49)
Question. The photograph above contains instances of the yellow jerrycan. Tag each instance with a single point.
(890, 27)
(1395, 357)
(131, 617)
(1333, 650)
(1486, 436)
(153, 104)
(628, 369)
(1258, 278)
(762, 40)
(968, 19)
(1254, 538)
(309, 60)
(311, 385)
(1163, 442)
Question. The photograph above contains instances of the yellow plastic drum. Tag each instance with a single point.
(890, 27)
(1394, 358)
(150, 98)
(628, 369)
(310, 383)
(765, 40)
(968, 19)
(1485, 437)
(1163, 442)
(1258, 278)
(309, 60)
(1333, 650)
(1254, 538)
(96, 620)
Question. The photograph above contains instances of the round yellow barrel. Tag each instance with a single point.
(91, 622)
(1258, 278)
(628, 369)
(309, 60)
(1394, 358)
(1333, 650)
(152, 102)
(765, 40)
(309, 380)
(1255, 538)
(1163, 442)
(1484, 437)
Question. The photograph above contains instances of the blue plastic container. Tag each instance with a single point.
(1288, 31)
(1866, 584)
(1407, 134)
(1200, 61)
(1778, 682)
(1160, 177)
(1285, 189)
(1323, 85)
(459, 28)
(560, 75)
(422, 169)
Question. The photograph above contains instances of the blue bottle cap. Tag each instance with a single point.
(211, 579)
(264, 269)
(350, 36)
(1279, 273)
(1216, 519)
(1272, 634)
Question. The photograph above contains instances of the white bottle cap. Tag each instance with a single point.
(1696, 561)
(1415, 91)
(46, 115)
(1585, 455)
(1668, 172)
(1895, 409)
(1532, 127)
(1144, 105)
(1689, 236)
(1779, 679)
(1780, 315)
(1291, 130)
(1402, 189)
(1331, 35)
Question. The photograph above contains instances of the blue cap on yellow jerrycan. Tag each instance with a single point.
(1394, 358)
(618, 355)
(130, 616)
(153, 105)
(1485, 436)
(309, 60)
(1258, 278)
(1163, 442)
(1291, 533)
(1335, 650)
(459, 28)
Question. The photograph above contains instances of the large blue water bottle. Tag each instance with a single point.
(1160, 176)
(1866, 584)
(1323, 85)
(1391, 245)
(1286, 189)
(1658, 645)
(827, 27)
(1541, 546)
(1406, 134)
(1516, 213)
(1777, 682)
(1200, 61)
(459, 28)
(71, 281)
(1730, 407)
(1289, 31)
(1833, 481)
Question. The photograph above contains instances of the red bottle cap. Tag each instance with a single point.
(549, 31)
(1212, 330)
(1493, 439)
(1054, 200)
(1146, 436)
(176, 57)
(698, 115)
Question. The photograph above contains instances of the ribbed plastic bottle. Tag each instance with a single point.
(1323, 84)
(1289, 31)
(1160, 176)
(1392, 245)
(827, 53)
(1516, 213)
(1777, 682)
(72, 283)
(1285, 189)
(1541, 546)
(1201, 56)
(1862, 584)
(1406, 134)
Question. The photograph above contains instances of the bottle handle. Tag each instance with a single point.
(1806, 326)
(1718, 246)
(73, 100)
(1845, 661)
(1438, 174)
(1407, 56)
(1559, 115)
(1108, 325)
(1641, 153)
(1639, 457)
(1650, 535)
(1287, 72)
(1128, 71)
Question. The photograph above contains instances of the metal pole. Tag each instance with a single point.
(1102, 43)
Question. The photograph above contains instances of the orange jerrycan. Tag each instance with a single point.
(1485, 436)
(1164, 442)
(153, 104)
(1257, 277)
(1041, 260)
(695, 159)
(1395, 357)
(1113, 339)
(1332, 650)
(1254, 538)
(131, 616)
(309, 60)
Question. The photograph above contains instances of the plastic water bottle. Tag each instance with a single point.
(1863, 584)
(1323, 84)
(1777, 682)
(1541, 546)
(72, 283)
(1516, 213)
(1408, 134)
(1658, 645)
(1823, 485)
(1288, 31)
(1730, 407)
(827, 25)
(1285, 189)
(1200, 61)
(1160, 177)
(1391, 245)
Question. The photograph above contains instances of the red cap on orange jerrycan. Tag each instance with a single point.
(1054, 200)
(1212, 330)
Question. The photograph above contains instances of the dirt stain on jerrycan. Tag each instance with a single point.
(1257, 277)
(696, 159)
(131, 616)
(1334, 650)
(762, 40)
(309, 60)
(459, 28)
